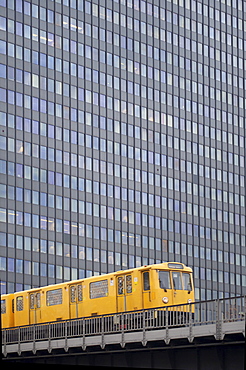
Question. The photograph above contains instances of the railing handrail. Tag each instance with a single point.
(129, 312)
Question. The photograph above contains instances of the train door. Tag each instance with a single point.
(178, 292)
(35, 307)
(146, 289)
(124, 292)
(76, 300)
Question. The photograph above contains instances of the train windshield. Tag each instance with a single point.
(177, 280)
(164, 280)
(187, 281)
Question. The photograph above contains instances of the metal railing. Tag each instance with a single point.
(192, 314)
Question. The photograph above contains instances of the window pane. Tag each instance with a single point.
(177, 281)
(99, 289)
(187, 281)
(164, 280)
(146, 280)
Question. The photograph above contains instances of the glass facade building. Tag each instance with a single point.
(122, 140)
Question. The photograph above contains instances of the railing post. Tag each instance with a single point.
(33, 337)
(219, 335)
(191, 337)
(102, 330)
(144, 341)
(122, 331)
(244, 312)
(167, 339)
(66, 346)
(19, 350)
(83, 337)
(49, 339)
(5, 343)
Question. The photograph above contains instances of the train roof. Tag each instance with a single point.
(158, 266)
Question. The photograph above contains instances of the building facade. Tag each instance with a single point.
(122, 140)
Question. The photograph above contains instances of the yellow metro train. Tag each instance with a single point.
(152, 286)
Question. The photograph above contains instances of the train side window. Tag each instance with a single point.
(35, 300)
(72, 294)
(128, 284)
(80, 293)
(99, 289)
(54, 297)
(19, 303)
(187, 281)
(164, 280)
(120, 285)
(3, 306)
(177, 280)
(32, 301)
(38, 300)
(146, 281)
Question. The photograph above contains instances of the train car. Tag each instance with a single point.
(41, 305)
(155, 286)
(7, 310)
(152, 286)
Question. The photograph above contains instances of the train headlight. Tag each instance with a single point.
(165, 299)
(189, 300)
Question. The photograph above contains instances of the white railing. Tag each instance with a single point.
(194, 314)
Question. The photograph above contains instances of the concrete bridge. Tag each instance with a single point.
(200, 335)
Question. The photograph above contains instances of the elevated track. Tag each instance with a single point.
(174, 330)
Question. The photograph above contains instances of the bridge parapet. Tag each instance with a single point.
(215, 318)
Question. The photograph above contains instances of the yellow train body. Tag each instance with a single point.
(152, 286)
(7, 310)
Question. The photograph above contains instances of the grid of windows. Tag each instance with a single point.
(122, 139)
